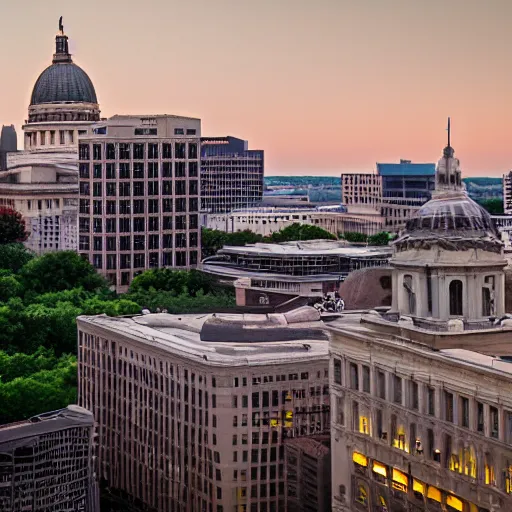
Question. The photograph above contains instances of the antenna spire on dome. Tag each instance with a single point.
(61, 46)
(448, 129)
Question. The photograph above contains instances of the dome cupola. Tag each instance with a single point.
(63, 91)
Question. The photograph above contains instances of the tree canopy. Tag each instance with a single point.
(494, 206)
(12, 226)
(40, 298)
(296, 232)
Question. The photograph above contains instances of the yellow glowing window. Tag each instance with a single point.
(434, 494)
(289, 415)
(360, 459)
(473, 507)
(382, 503)
(489, 474)
(288, 396)
(363, 425)
(454, 502)
(400, 477)
(274, 423)
(418, 486)
(380, 469)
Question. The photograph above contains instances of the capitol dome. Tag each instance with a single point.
(451, 215)
(63, 82)
(63, 93)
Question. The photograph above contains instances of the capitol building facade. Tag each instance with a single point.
(41, 182)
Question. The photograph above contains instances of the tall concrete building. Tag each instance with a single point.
(231, 174)
(193, 410)
(41, 182)
(507, 193)
(421, 394)
(8, 144)
(46, 463)
(139, 195)
(308, 474)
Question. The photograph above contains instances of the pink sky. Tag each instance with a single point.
(323, 86)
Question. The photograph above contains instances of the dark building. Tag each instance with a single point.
(407, 181)
(46, 463)
(231, 174)
(308, 474)
(8, 143)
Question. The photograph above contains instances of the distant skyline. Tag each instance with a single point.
(323, 87)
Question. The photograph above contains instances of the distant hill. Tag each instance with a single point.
(484, 188)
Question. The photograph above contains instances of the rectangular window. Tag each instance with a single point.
(494, 422)
(153, 170)
(152, 188)
(97, 171)
(431, 401)
(138, 170)
(397, 389)
(354, 376)
(480, 417)
(111, 171)
(448, 406)
(414, 395)
(381, 384)
(179, 150)
(97, 189)
(464, 411)
(111, 262)
(83, 170)
(138, 205)
(179, 170)
(111, 151)
(366, 378)
(124, 151)
(193, 169)
(138, 151)
(124, 171)
(96, 151)
(166, 151)
(179, 131)
(192, 151)
(508, 429)
(152, 151)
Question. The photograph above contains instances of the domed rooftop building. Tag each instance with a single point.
(62, 105)
(448, 262)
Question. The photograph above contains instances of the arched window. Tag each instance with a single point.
(456, 298)
(362, 495)
(489, 476)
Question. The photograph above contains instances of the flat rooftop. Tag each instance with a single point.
(312, 247)
(224, 339)
(71, 416)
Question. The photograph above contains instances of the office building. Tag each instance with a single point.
(193, 410)
(507, 193)
(395, 192)
(8, 144)
(272, 274)
(421, 394)
(267, 220)
(139, 195)
(46, 463)
(41, 181)
(231, 174)
(308, 474)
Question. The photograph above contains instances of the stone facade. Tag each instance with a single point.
(193, 411)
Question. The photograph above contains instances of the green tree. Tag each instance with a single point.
(14, 256)
(12, 226)
(175, 281)
(296, 232)
(9, 286)
(354, 237)
(494, 206)
(58, 271)
(381, 238)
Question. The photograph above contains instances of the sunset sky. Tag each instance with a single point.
(323, 86)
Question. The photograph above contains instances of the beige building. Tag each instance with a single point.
(139, 195)
(267, 220)
(361, 192)
(507, 193)
(421, 394)
(46, 463)
(41, 181)
(193, 410)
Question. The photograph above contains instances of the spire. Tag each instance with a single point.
(448, 174)
(61, 46)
